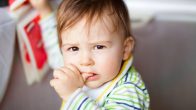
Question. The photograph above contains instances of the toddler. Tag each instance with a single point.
(96, 43)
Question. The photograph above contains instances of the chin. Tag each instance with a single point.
(93, 86)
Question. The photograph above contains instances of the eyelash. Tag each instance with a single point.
(73, 49)
(99, 47)
(96, 47)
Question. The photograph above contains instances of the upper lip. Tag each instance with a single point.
(88, 72)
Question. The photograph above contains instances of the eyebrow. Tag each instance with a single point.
(99, 42)
(69, 44)
(91, 43)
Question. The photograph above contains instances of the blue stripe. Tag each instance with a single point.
(126, 77)
(129, 105)
(135, 86)
(82, 103)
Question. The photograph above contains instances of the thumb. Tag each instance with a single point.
(86, 76)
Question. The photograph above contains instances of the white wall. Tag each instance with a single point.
(183, 10)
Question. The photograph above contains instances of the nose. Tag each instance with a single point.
(86, 59)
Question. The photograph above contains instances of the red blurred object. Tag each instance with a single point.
(15, 4)
(33, 32)
(12, 1)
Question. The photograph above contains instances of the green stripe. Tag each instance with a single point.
(128, 100)
(78, 101)
(87, 105)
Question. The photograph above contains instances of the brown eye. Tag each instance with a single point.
(100, 47)
(73, 49)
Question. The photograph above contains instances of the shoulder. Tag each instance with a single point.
(131, 90)
(131, 78)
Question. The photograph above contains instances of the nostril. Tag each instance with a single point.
(86, 62)
(86, 58)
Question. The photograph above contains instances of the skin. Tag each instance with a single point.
(42, 6)
(91, 57)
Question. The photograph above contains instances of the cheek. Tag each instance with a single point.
(69, 59)
(109, 69)
(109, 64)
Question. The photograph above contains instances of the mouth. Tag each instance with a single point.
(89, 76)
(93, 77)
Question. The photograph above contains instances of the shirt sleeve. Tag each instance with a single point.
(79, 101)
(123, 97)
(128, 96)
(50, 39)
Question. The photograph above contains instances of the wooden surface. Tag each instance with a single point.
(165, 55)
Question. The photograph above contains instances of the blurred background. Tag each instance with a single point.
(165, 32)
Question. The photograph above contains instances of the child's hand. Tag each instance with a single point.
(66, 80)
(42, 6)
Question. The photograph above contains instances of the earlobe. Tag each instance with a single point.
(128, 47)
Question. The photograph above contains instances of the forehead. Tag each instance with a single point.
(95, 29)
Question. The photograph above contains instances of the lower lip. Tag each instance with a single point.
(92, 78)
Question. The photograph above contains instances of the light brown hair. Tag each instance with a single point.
(72, 11)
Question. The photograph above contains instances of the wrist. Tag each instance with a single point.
(72, 95)
(72, 98)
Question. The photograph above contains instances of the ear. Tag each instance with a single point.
(128, 47)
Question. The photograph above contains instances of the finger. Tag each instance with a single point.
(65, 73)
(70, 70)
(59, 74)
(52, 82)
(74, 69)
(85, 76)
(66, 70)
(56, 84)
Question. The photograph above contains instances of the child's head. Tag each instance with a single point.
(95, 36)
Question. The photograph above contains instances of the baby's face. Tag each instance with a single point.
(96, 52)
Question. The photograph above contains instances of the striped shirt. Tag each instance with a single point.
(129, 93)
